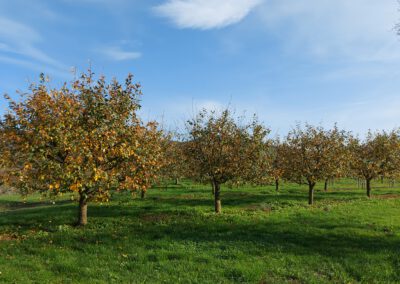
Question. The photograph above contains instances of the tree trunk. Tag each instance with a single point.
(213, 188)
(217, 198)
(82, 214)
(142, 194)
(326, 185)
(277, 184)
(176, 181)
(368, 183)
(311, 193)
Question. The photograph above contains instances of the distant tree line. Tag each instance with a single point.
(87, 138)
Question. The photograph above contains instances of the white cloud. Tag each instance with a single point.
(35, 66)
(96, 2)
(19, 39)
(368, 114)
(4, 47)
(116, 53)
(13, 30)
(360, 29)
(208, 105)
(206, 14)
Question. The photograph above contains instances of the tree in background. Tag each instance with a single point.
(308, 155)
(278, 156)
(86, 139)
(221, 149)
(375, 156)
(174, 168)
(4, 156)
(337, 153)
(151, 141)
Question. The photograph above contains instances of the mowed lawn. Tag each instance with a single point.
(173, 236)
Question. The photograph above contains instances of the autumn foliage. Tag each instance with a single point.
(378, 155)
(221, 149)
(175, 165)
(85, 138)
(313, 154)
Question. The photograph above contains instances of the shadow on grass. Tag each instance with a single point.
(303, 235)
(307, 234)
(16, 205)
(162, 219)
(241, 199)
(124, 206)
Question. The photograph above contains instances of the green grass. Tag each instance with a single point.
(173, 236)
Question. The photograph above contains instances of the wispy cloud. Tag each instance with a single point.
(359, 29)
(368, 114)
(206, 14)
(97, 2)
(35, 66)
(21, 40)
(118, 54)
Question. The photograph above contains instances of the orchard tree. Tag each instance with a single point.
(174, 168)
(9, 157)
(337, 153)
(151, 140)
(277, 152)
(85, 139)
(223, 149)
(308, 155)
(376, 156)
(4, 157)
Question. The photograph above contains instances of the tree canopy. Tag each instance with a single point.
(378, 155)
(221, 149)
(85, 138)
(312, 155)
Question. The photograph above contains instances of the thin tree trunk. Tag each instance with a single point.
(277, 184)
(217, 198)
(326, 185)
(82, 214)
(368, 183)
(213, 188)
(176, 181)
(311, 193)
(142, 194)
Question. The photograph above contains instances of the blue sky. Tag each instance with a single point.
(320, 61)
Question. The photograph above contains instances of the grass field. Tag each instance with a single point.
(173, 236)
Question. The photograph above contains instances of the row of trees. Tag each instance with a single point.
(221, 150)
(86, 137)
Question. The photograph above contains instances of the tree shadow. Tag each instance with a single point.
(301, 235)
(240, 199)
(17, 205)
